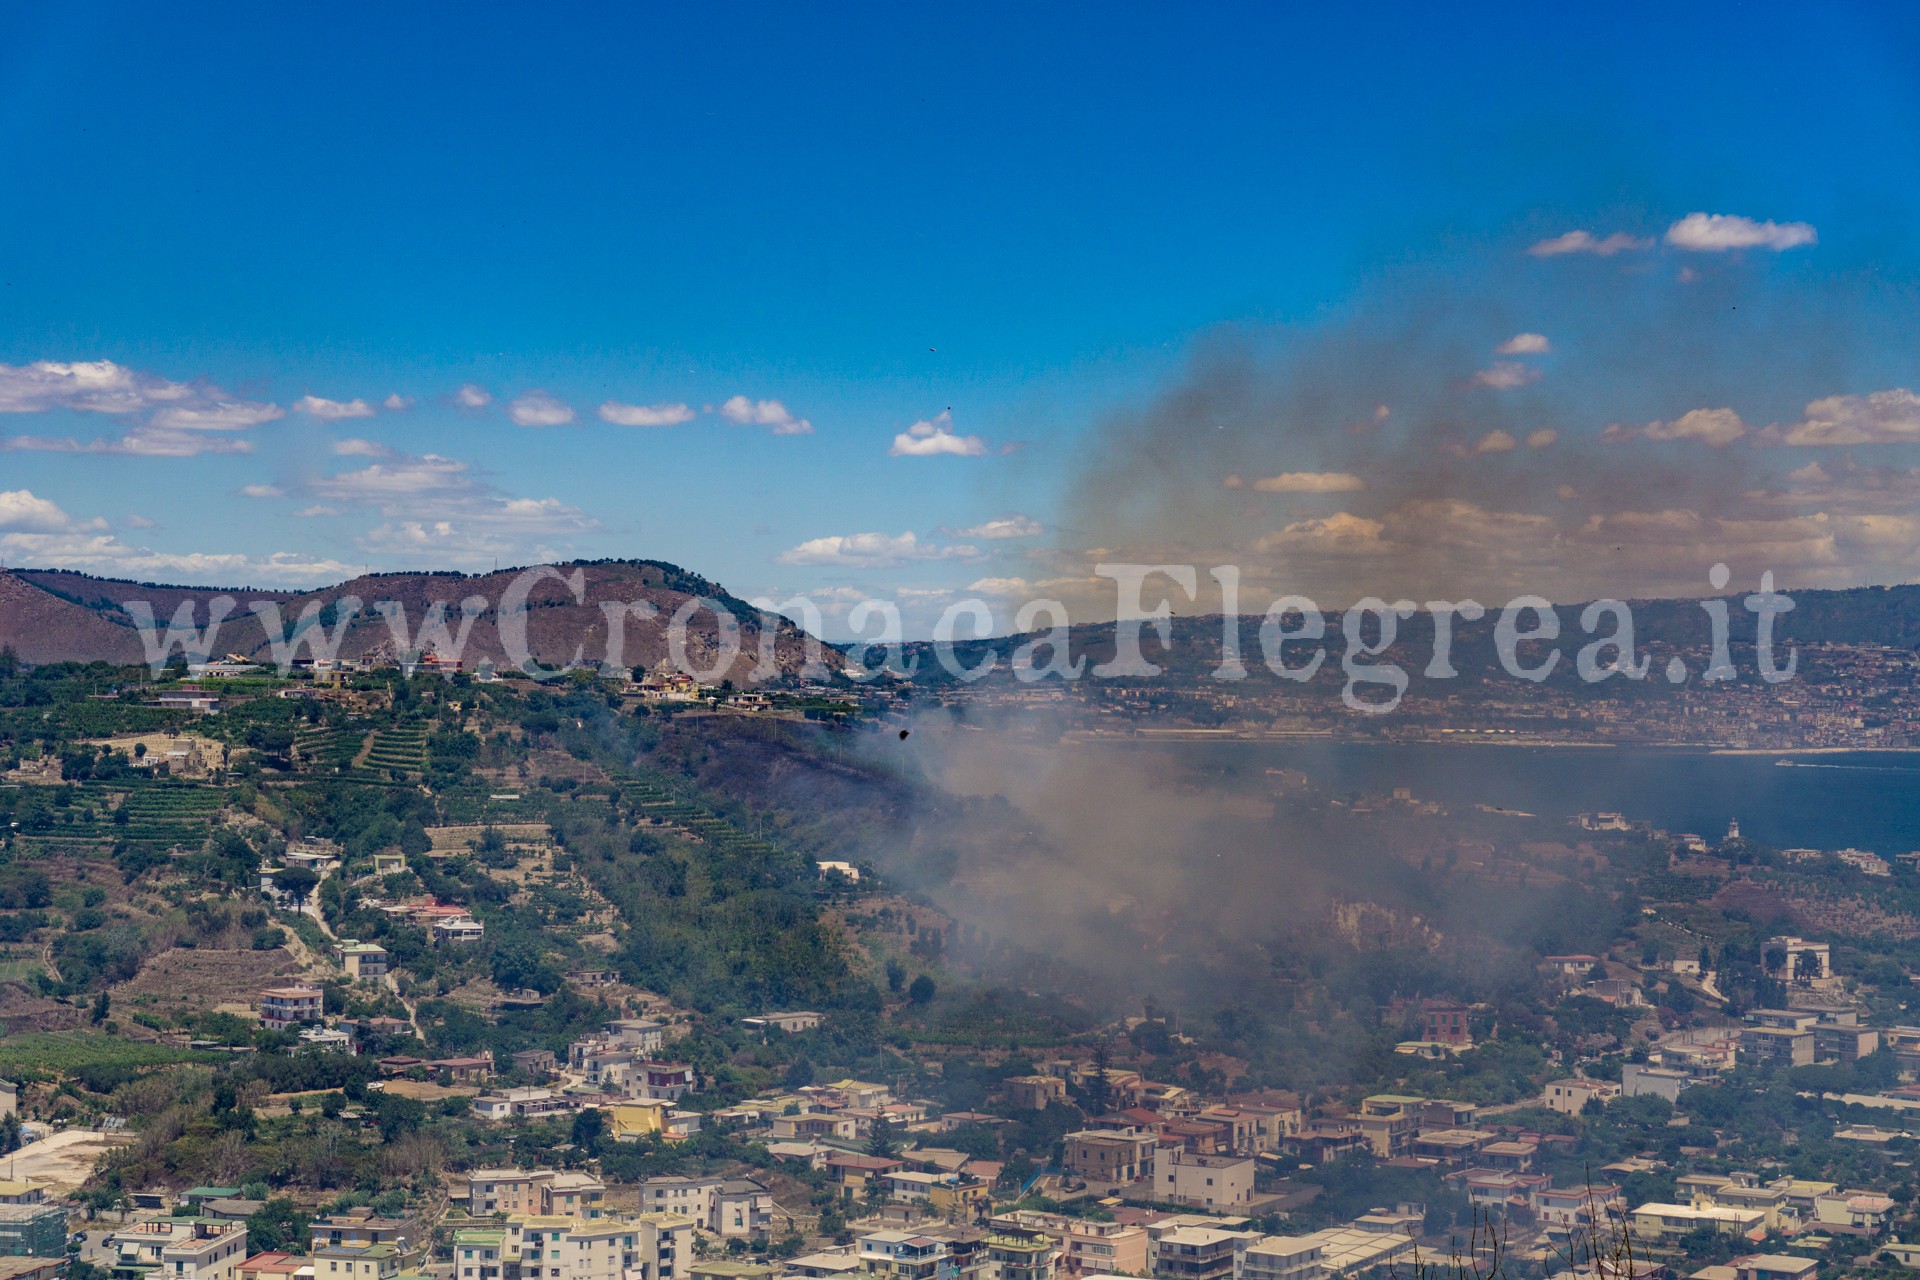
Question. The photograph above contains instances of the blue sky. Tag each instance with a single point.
(1042, 221)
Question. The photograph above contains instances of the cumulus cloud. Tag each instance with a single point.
(1716, 427)
(90, 386)
(333, 410)
(1719, 232)
(174, 412)
(1541, 438)
(1305, 482)
(1495, 441)
(262, 491)
(1524, 344)
(1505, 375)
(22, 511)
(872, 551)
(354, 447)
(765, 413)
(36, 531)
(1340, 534)
(473, 396)
(397, 403)
(645, 415)
(1587, 242)
(934, 437)
(1884, 417)
(1013, 526)
(104, 553)
(434, 504)
(539, 409)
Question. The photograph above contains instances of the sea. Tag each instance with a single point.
(1858, 799)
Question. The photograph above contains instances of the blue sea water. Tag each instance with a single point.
(1866, 800)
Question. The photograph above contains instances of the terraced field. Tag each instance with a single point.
(654, 800)
(403, 749)
(330, 750)
(166, 815)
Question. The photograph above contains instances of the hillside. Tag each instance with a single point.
(51, 615)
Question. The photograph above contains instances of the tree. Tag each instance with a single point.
(922, 990)
(881, 1143)
(589, 1130)
(296, 882)
(1099, 1089)
(101, 1004)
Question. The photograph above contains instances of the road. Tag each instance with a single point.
(310, 907)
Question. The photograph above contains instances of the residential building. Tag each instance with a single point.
(742, 1208)
(356, 1262)
(1570, 1096)
(790, 1023)
(1020, 1256)
(687, 1196)
(1283, 1258)
(1199, 1253)
(292, 1005)
(1115, 1157)
(33, 1230)
(1776, 1047)
(1209, 1182)
(361, 959)
(1655, 1220)
(1086, 1247)
(1448, 1024)
(1637, 1080)
(1035, 1093)
(275, 1266)
(1774, 1266)
(903, 1255)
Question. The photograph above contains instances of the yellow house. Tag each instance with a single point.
(628, 1121)
(955, 1199)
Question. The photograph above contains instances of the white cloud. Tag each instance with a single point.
(1013, 526)
(1505, 375)
(141, 442)
(1587, 242)
(436, 504)
(1524, 344)
(317, 509)
(1884, 417)
(22, 511)
(397, 403)
(105, 554)
(403, 478)
(872, 551)
(262, 491)
(1716, 427)
(217, 415)
(645, 415)
(1495, 441)
(332, 410)
(1719, 232)
(473, 396)
(765, 413)
(539, 409)
(1541, 438)
(93, 386)
(934, 437)
(354, 447)
(1341, 533)
(1308, 482)
(174, 410)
